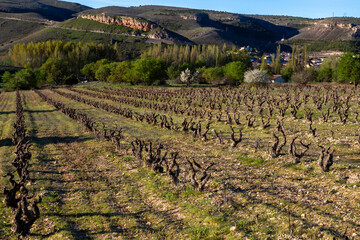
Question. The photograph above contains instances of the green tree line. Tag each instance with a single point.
(199, 55)
(76, 54)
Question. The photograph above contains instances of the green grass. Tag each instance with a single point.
(86, 24)
(251, 161)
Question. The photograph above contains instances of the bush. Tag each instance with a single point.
(235, 71)
(256, 77)
(287, 73)
(328, 70)
(88, 71)
(121, 72)
(56, 69)
(213, 74)
(24, 79)
(304, 76)
(349, 68)
(104, 71)
(325, 74)
(188, 77)
(171, 72)
(147, 71)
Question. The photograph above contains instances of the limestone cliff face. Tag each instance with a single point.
(352, 29)
(123, 21)
(329, 31)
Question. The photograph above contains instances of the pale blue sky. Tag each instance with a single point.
(304, 8)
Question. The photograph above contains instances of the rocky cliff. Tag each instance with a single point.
(326, 30)
(130, 22)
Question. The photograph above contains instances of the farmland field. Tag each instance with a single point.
(99, 185)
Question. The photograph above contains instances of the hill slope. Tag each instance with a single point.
(12, 30)
(153, 24)
(203, 26)
(331, 29)
(40, 9)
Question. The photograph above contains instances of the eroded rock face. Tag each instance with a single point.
(196, 17)
(122, 21)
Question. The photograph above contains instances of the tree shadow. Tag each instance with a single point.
(28, 111)
(306, 222)
(7, 142)
(43, 141)
(9, 112)
(40, 111)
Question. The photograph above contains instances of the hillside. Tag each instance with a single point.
(331, 29)
(25, 20)
(39, 9)
(12, 30)
(130, 47)
(206, 27)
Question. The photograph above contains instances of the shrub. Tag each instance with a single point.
(24, 79)
(349, 68)
(212, 74)
(187, 77)
(147, 71)
(256, 77)
(104, 71)
(88, 71)
(287, 73)
(121, 72)
(56, 69)
(235, 71)
(304, 76)
(328, 70)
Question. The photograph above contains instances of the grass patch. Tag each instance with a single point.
(251, 161)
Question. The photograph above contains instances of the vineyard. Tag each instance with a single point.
(279, 162)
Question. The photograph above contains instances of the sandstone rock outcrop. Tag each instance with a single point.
(130, 22)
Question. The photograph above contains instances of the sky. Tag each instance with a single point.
(302, 8)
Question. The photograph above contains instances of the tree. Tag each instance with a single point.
(212, 74)
(325, 74)
(104, 71)
(122, 72)
(304, 77)
(187, 77)
(235, 71)
(147, 71)
(328, 69)
(305, 56)
(88, 71)
(242, 56)
(56, 69)
(7, 77)
(277, 62)
(287, 73)
(256, 77)
(24, 79)
(349, 68)
(264, 64)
